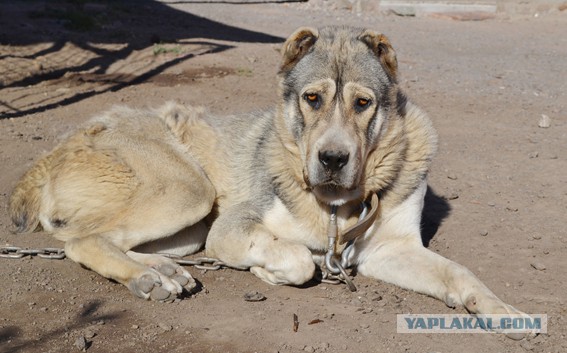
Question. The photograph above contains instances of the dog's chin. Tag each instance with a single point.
(335, 195)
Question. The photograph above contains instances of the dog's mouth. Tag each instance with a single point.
(335, 194)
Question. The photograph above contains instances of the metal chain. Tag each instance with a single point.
(201, 263)
(15, 252)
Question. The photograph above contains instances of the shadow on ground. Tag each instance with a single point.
(435, 210)
(54, 53)
(16, 340)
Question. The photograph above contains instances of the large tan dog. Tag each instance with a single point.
(272, 184)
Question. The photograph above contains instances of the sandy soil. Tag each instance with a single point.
(497, 202)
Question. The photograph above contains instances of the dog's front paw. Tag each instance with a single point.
(491, 305)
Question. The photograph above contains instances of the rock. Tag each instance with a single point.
(254, 297)
(527, 345)
(538, 266)
(81, 343)
(544, 121)
(452, 176)
(165, 327)
(89, 334)
(484, 233)
(533, 155)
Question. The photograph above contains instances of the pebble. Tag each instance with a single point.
(135, 327)
(533, 155)
(254, 297)
(89, 334)
(81, 343)
(538, 266)
(536, 237)
(452, 196)
(527, 345)
(165, 327)
(309, 349)
(484, 233)
(377, 298)
(544, 121)
(452, 176)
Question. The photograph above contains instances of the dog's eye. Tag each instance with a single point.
(361, 104)
(313, 100)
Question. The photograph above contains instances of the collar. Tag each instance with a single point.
(367, 219)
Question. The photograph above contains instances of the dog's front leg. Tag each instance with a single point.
(239, 239)
(395, 254)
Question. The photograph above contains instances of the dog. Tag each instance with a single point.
(268, 191)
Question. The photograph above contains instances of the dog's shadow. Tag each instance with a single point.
(435, 210)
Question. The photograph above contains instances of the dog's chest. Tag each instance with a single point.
(310, 232)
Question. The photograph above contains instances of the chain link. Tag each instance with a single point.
(201, 263)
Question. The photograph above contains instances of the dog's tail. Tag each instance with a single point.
(25, 201)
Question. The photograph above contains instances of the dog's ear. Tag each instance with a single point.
(297, 45)
(381, 46)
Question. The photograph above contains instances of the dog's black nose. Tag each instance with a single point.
(333, 160)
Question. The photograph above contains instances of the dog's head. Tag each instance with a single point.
(338, 88)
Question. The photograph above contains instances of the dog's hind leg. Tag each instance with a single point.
(240, 240)
(98, 253)
(395, 254)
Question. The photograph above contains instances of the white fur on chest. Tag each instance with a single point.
(281, 222)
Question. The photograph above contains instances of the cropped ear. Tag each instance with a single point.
(381, 46)
(297, 45)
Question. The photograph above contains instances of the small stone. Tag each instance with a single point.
(377, 298)
(309, 349)
(89, 334)
(544, 121)
(452, 176)
(536, 237)
(533, 155)
(491, 204)
(512, 209)
(165, 327)
(81, 343)
(254, 297)
(484, 233)
(135, 327)
(527, 345)
(452, 196)
(538, 266)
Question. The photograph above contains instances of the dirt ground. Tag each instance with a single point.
(498, 189)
